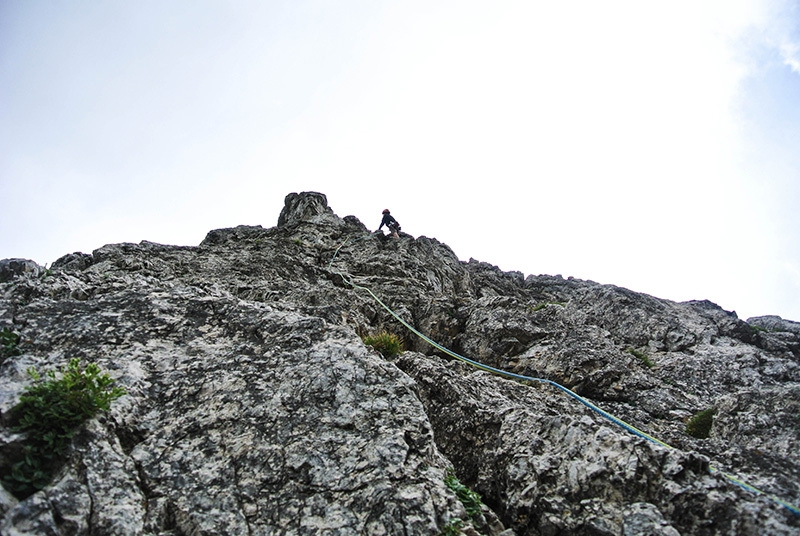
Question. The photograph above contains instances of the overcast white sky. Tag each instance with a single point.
(651, 145)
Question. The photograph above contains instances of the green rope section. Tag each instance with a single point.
(793, 509)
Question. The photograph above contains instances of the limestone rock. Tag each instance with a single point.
(254, 407)
(303, 207)
(72, 262)
(775, 324)
(11, 268)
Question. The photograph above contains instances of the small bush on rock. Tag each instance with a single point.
(49, 413)
(699, 425)
(470, 499)
(8, 343)
(387, 344)
(453, 528)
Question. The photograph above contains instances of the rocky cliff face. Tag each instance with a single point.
(254, 407)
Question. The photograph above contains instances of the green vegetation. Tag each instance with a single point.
(9, 342)
(387, 344)
(699, 425)
(643, 357)
(453, 528)
(540, 306)
(470, 499)
(49, 413)
(754, 329)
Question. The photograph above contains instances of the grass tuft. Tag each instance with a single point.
(643, 357)
(699, 425)
(542, 305)
(387, 344)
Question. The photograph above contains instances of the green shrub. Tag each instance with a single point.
(453, 528)
(8, 343)
(387, 344)
(470, 499)
(699, 425)
(49, 413)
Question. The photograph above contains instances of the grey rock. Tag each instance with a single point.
(303, 207)
(12, 268)
(557, 470)
(7, 501)
(775, 323)
(254, 407)
(73, 262)
(645, 518)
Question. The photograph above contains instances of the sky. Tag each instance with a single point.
(649, 145)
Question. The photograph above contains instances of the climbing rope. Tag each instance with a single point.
(793, 509)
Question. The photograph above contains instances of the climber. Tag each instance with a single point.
(389, 221)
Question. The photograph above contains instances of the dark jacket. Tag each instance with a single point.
(389, 221)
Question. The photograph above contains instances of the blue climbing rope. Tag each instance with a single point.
(630, 428)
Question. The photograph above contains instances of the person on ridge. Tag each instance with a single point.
(391, 223)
